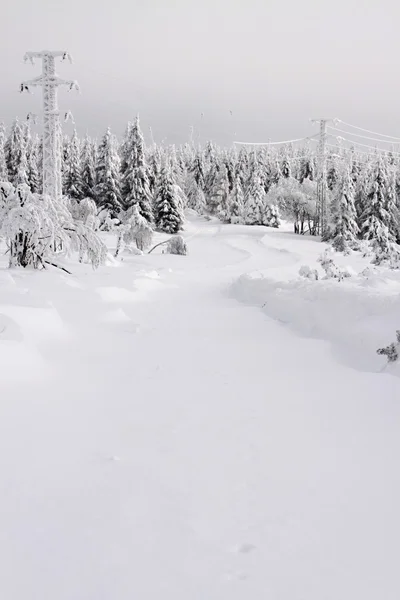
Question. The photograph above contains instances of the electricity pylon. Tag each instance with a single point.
(321, 176)
(50, 82)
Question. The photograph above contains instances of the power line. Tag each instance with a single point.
(381, 150)
(276, 143)
(365, 137)
(367, 130)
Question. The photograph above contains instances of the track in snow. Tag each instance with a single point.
(181, 445)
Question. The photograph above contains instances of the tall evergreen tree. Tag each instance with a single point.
(344, 219)
(107, 189)
(73, 179)
(3, 163)
(33, 165)
(135, 181)
(286, 169)
(254, 200)
(88, 169)
(15, 151)
(168, 214)
(236, 204)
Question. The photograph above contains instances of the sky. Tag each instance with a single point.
(249, 70)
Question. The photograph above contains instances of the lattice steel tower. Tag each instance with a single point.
(52, 139)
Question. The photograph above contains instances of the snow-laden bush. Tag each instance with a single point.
(308, 273)
(177, 245)
(134, 228)
(392, 351)
(332, 270)
(37, 227)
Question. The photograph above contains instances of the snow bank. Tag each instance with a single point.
(356, 316)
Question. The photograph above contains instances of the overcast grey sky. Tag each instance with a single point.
(273, 63)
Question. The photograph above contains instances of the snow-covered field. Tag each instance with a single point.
(208, 427)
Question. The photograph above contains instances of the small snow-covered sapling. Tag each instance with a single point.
(392, 351)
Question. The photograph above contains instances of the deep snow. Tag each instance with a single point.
(163, 435)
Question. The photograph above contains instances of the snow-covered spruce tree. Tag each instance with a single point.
(167, 211)
(391, 205)
(236, 202)
(332, 175)
(73, 170)
(254, 200)
(15, 151)
(107, 190)
(33, 226)
(377, 219)
(242, 166)
(219, 195)
(154, 168)
(345, 228)
(33, 165)
(3, 162)
(285, 167)
(88, 169)
(306, 169)
(211, 179)
(135, 181)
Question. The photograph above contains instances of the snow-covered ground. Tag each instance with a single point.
(208, 427)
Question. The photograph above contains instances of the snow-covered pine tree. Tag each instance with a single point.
(219, 195)
(286, 170)
(3, 162)
(211, 178)
(242, 166)
(88, 168)
(345, 228)
(306, 169)
(195, 185)
(15, 151)
(33, 165)
(332, 176)
(167, 212)
(236, 202)
(73, 187)
(254, 199)
(375, 214)
(107, 190)
(154, 168)
(391, 204)
(135, 180)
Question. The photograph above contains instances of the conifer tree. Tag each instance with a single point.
(219, 195)
(332, 176)
(88, 169)
(3, 163)
(236, 204)
(167, 212)
(15, 151)
(135, 181)
(375, 215)
(33, 165)
(306, 170)
(286, 169)
(254, 200)
(344, 219)
(73, 170)
(242, 166)
(107, 190)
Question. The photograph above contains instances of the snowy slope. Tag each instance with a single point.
(161, 439)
